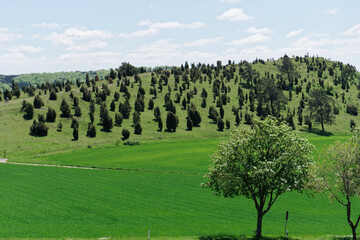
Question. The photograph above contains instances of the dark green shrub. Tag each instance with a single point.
(220, 124)
(51, 115)
(91, 131)
(38, 102)
(125, 133)
(38, 129)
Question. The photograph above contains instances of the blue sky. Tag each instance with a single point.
(53, 36)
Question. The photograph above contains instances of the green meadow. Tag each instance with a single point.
(159, 187)
(156, 184)
(49, 202)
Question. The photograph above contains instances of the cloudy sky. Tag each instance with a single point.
(68, 35)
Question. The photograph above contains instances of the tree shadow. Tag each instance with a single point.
(169, 131)
(319, 132)
(342, 238)
(243, 237)
(222, 237)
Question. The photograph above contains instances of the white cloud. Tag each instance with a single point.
(354, 31)
(197, 56)
(87, 46)
(25, 48)
(230, 50)
(230, 1)
(12, 58)
(256, 38)
(316, 34)
(49, 25)
(203, 41)
(248, 54)
(294, 33)
(8, 36)
(140, 33)
(332, 11)
(83, 33)
(253, 30)
(73, 34)
(59, 39)
(171, 24)
(160, 52)
(234, 14)
(91, 58)
(4, 29)
(306, 42)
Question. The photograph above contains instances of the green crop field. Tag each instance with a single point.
(46, 202)
(156, 184)
(161, 193)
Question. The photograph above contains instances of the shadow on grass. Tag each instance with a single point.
(320, 133)
(234, 237)
(222, 237)
(342, 238)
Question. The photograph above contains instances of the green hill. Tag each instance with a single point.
(39, 78)
(184, 85)
(158, 185)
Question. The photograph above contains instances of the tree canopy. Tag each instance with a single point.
(338, 172)
(260, 164)
(319, 107)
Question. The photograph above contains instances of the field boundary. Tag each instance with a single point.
(4, 161)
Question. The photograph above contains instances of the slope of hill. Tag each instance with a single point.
(158, 185)
(39, 78)
(207, 94)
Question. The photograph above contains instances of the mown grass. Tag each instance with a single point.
(189, 156)
(45, 202)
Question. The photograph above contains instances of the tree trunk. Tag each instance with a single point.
(322, 125)
(348, 213)
(259, 224)
(353, 229)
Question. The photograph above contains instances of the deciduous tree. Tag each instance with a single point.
(338, 172)
(319, 107)
(260, 163)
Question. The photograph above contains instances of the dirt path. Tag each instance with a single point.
(39, 164)
(3, 160)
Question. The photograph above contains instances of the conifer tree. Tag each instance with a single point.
(171, 122)
(220, 124)
(29, 111)
(65, 109)
(91, 131)
(38, 102)
(125, 133)
(137, 128)
(118, 119)
(76, 134)
(189, 123)
(53, 96)
(160, 124)
(51, 115)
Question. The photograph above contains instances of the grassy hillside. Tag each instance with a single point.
(39, 78)
(159, 185)
(18, 143)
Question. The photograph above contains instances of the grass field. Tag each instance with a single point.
(163, 194)
(159, 185)
(45, 202)
(189, 156)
